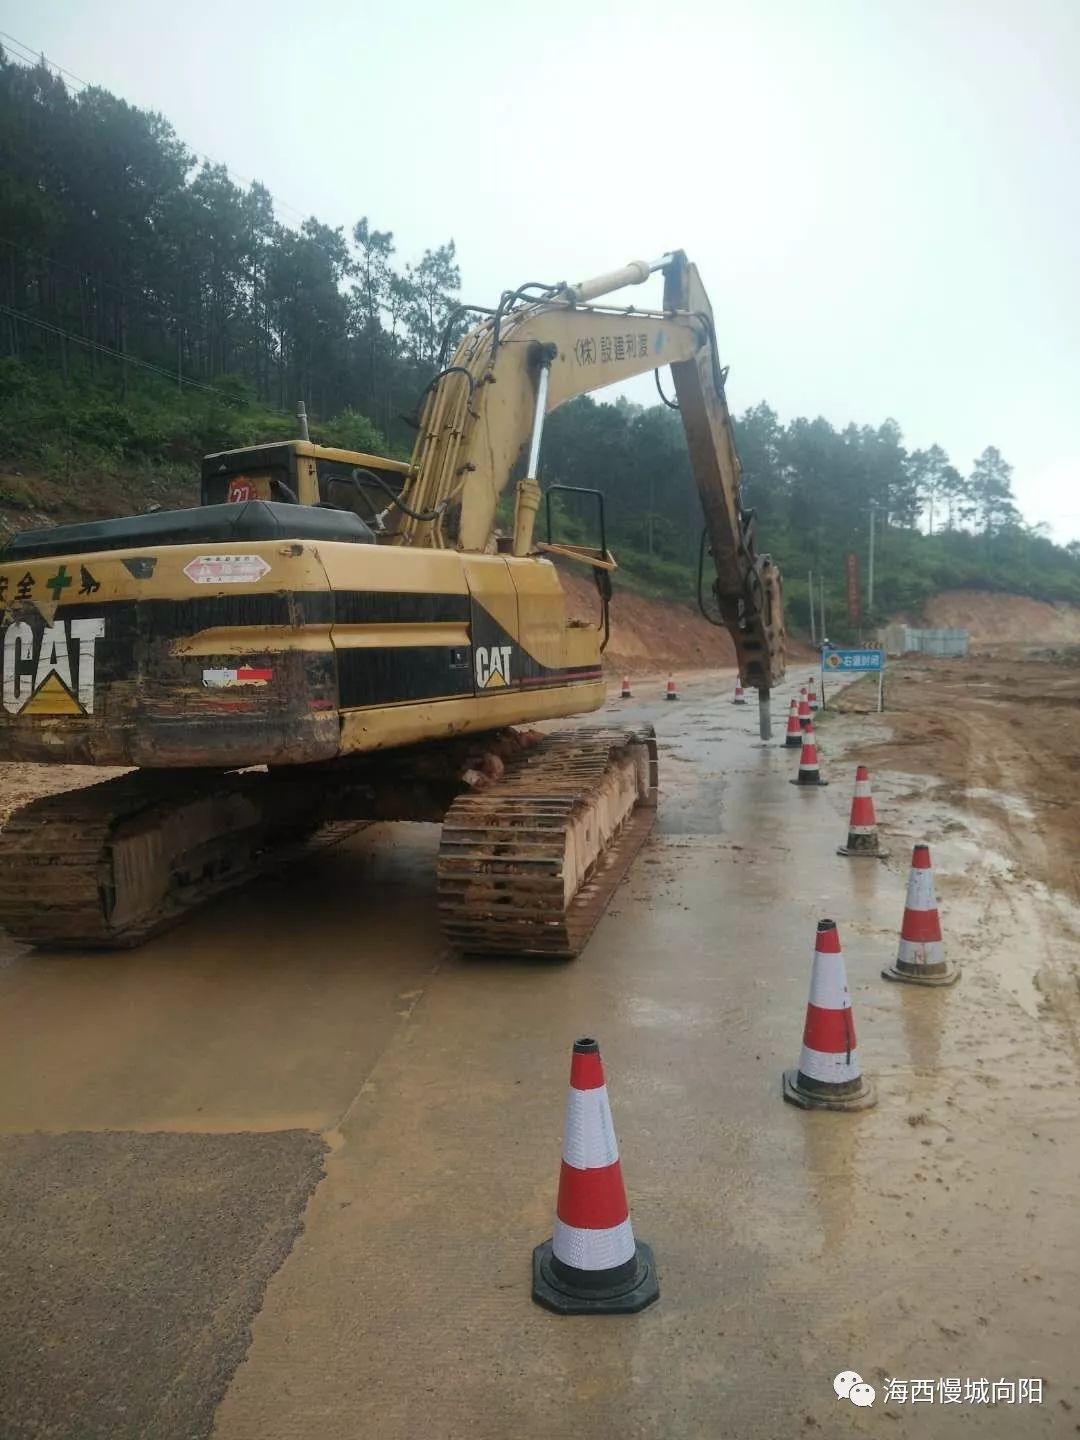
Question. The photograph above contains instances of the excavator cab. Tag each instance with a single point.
(299, 472)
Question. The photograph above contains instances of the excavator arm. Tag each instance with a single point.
(533, 354)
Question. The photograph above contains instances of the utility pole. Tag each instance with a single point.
(870, 577)
(810, 589)
(821, 616)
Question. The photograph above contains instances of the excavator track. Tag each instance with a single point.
(528, 866)
(108, 866)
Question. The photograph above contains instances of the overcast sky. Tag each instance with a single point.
(882, 195)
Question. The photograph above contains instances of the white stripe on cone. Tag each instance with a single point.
(921, 952)
(920, 890)
(593, 1249)
(589, 1134)
(832, 1069)
(828, 983)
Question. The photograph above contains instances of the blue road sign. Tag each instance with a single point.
(848, 660)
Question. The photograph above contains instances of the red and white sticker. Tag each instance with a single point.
(226, 569)
(241, 489)
(230, 679)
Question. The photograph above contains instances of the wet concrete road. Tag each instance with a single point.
(936, 1235)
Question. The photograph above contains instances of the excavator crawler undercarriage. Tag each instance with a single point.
(526, 865)
(109, 866)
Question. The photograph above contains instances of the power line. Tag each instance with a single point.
(32, 57)
(119, 354)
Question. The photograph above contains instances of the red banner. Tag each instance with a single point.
(853, 608)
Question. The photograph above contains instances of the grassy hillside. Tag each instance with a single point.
(85, 448)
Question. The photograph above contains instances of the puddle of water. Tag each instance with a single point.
(1019, 921)
(1012, 803)
(649, 1014)
(1015, 918)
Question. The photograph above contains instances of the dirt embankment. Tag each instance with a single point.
(649, 635)
(1012, 626)
(654, 636)
(30, 500)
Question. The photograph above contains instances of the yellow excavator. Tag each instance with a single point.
(331, 639)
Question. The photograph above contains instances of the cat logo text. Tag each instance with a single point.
(52, 674)
(492, 666)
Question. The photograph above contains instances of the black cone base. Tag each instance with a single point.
(860, 1099)
(948, 976)
(817, 780)
(858, 853)
(556, 1293)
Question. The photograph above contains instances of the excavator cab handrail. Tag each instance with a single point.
(602, 560)
(577, 490)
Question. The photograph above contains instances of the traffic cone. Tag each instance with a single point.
(828, 1076)
(809, 774)
(811, 695)
(740, 697)
(793, 737)
(804, 710)
(592, 1265)
(625, 692)
(862, 836)
(672, 693)
(921, 957)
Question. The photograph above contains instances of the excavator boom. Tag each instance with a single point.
(527, 359)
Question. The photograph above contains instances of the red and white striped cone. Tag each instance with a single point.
(625, 693)
(740, 697)
(862, 835)
(672, 693)
(811, 695)
(809, 773)
(921, 957)
(793, 738)
(829, 1076)
(592, 1264)
(804, 709)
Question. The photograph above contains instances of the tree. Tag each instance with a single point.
(953, 491)
(435, 283)
(370, 298)
(926, 472)
(990, 487)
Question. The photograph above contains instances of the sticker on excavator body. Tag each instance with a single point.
(226, 569)
(247, 487)
(51, 673)
(230, 679)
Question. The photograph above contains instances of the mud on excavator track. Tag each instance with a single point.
(526, 865)
(111, 865)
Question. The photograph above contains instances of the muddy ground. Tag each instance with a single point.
(935, 1236)
(992, 749)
